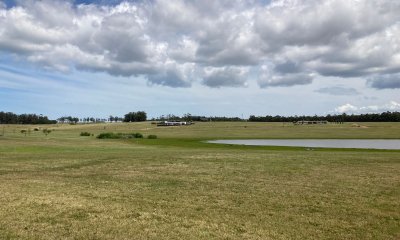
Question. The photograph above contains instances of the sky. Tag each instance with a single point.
(213, 58)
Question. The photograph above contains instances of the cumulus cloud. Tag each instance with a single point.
(286, 80)
(349, 108)
(225, 77)
(273, 78)
(160, 39)
(174, 75)
(346, 108)
(338, 91)
(332, 38)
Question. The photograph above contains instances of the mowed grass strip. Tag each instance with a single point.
(63, 186)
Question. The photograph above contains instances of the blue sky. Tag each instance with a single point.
(232, 58)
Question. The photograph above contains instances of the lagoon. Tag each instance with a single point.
(318, 143)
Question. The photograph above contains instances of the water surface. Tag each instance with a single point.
(322, 143)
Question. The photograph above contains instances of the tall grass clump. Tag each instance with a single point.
(152, 137)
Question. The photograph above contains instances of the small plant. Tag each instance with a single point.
(85, 134)
(152, 137)
(46, 131)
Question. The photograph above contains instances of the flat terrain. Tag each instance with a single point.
(64, 186)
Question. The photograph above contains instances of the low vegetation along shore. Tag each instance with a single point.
(62, 184)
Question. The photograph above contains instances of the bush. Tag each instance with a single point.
(137, 135)
(36, 129)
(119, 135)
(109, 135)
(86, 134)
(46, 131)
(152, 137)
(132, 135)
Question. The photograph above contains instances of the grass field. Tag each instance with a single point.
(64, 186)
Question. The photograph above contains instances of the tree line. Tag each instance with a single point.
(12, 118)
(74, 120)
(129, 117)
(368, 117)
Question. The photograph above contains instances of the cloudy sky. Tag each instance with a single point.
(204, 57)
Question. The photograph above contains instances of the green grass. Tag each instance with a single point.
(64, 186)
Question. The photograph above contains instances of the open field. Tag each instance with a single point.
(64, 186)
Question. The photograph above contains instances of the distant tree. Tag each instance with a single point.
(187, 117)
(139, 116)
(12, 118)
(61, 119)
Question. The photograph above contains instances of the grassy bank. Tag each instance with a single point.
(64, 186)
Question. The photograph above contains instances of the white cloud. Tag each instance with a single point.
(348, 108)
(225, 77)
(185, 50)
(174, 75)
(272, 78)
(299, 40)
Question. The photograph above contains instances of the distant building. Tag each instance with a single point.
(173, 123)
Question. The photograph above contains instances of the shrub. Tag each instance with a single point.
(36, 129)
(132, 135)
(46, 131)
(85, 134)
(109, 135)
(137, 135)
(152, 137)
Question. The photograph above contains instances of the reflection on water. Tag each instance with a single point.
(324, 143)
